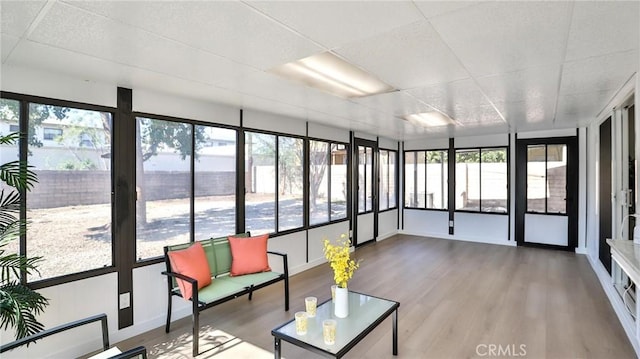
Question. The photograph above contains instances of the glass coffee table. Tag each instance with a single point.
(365, 313)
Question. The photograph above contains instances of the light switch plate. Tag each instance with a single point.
(125, 301)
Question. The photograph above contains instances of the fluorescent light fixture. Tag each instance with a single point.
(327, 72)
(430, 119)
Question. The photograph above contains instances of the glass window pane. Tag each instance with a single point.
(410, 168)
(384, 181)
(468, 180)
(70, 206)
(215, 182)
(9, 114)
(260, 200)
(437, 171)
(362, 159)
(536, 178)
(494, 180)
(338, 185)
(290, 206)
(369, 178)
(556, 178)
(163, 183)
(392, 179)
(421, 180)
(318, 182)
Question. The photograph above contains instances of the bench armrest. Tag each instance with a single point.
(181, 276)
(277, 253)
(285, 262)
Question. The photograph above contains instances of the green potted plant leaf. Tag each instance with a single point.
(19, 304)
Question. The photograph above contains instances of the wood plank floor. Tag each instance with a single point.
(457, 299)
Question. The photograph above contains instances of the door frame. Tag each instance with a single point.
(374, 191)
(572, 190)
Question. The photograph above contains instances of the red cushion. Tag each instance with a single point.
(193, 263)
(249, 255)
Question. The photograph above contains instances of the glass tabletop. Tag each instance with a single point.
(365, 313)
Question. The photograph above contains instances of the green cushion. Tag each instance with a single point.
(255, 279)
(219, 288)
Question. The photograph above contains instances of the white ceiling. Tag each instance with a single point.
(494, 67)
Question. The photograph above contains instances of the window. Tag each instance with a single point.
(214, 182)
(481, 180)
(51, 133)
(327, 182)
(365, 179)
(387, 180)
(274, 200)
(9, 112)
(290, 179)
(70, 206)
(163, 185)
(12, 128)
(547, 178)
(426, 179)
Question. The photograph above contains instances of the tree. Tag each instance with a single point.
(19, 304)
(153, 136)
(319, 153)
(10, 111)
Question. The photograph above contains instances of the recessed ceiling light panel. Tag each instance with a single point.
(329, 73)
(430, 119)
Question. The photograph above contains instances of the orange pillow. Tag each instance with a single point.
(193, 263)
(249, 255)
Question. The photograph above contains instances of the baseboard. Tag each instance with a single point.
(464, 239)
(616, 302)
(385, 236)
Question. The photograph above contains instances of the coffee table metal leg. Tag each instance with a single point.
(276, 348)
(394, 318)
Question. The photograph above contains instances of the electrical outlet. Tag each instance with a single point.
(125, 300)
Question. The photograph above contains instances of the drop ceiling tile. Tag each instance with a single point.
(602, 27)
(451, 97)
(7, 45)
(498, 37)
(432, 9)
(396, 103)
(229, 29)
(406, 57)
(522, 86)
(607, 72)
(16, 16)
(533, 111)
(85, 33)
(582, 107)
(336, 23)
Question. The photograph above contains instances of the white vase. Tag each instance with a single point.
(341, 307)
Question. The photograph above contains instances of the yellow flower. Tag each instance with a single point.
(338, 257)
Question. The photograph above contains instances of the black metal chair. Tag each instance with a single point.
(138, 352)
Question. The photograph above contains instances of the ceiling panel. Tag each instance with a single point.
(499, 37)
(16, 16)
(8, 43)
(607, 72)
(396, 103)
(436, 8)
(582, 107)
(461, 100)
(522, 86)
(349, 20)
(229, 29)
(538, 111)
(602, 27)
(407, 57)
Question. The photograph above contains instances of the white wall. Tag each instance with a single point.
(387, 224)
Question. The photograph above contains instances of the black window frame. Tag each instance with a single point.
(23, 148)
(395, 175)
(415, 179)
(546, 170)
(480, 149)
(347, 149)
